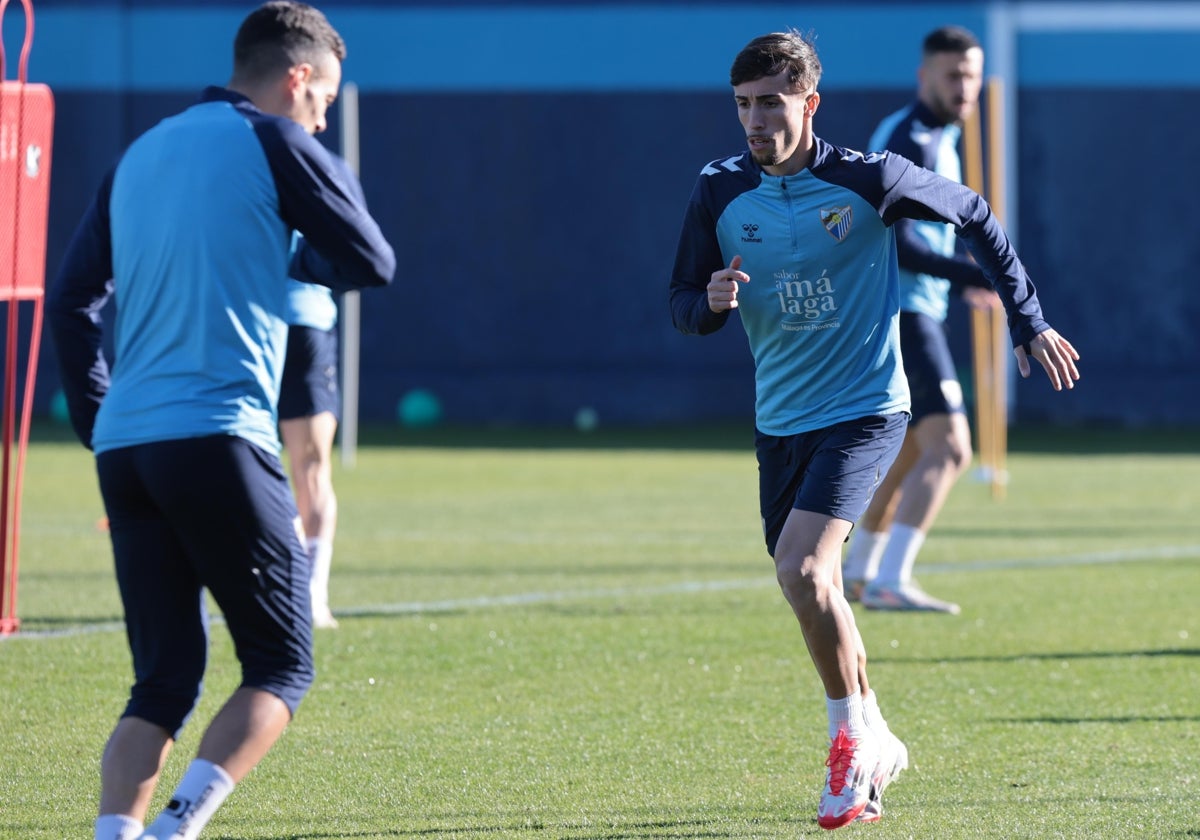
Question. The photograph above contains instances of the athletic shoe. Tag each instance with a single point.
(905, 597)
(893, 757)
(847, 790)
(873, 812)
(854, 588)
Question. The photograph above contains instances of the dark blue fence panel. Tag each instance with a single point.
(536, 227)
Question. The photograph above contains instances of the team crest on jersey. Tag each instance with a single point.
(837, 221)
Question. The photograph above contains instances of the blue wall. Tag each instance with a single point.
(531, 165)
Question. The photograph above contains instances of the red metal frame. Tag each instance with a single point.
(26, 130)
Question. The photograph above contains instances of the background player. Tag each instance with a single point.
(937, 448)
(308, 416)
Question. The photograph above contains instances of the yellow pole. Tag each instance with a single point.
(982, 345)
(999, 327)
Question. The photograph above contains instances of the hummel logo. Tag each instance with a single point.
(729, 164)
(750, 232)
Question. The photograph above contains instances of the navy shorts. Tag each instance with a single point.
(213, 513)
(832, 471)
(310, 374)
(932, 379)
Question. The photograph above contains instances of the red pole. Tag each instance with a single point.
(25, 141)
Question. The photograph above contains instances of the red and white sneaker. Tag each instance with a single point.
(873, 812)
(852, 763)
(893, 757)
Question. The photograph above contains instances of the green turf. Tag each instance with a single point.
(556, 635)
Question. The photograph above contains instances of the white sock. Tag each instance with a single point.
(896, 565)
(863, 553)
(117, 827)
(202, 790)
(846, 714)
(872, 715)
(321, 552)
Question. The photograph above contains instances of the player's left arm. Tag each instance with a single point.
(915, 193)
(324, 202)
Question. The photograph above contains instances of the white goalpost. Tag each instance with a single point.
(351, 308)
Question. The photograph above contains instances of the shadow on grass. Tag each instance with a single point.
(1072, 721)
(636, 830)
(1052, 657)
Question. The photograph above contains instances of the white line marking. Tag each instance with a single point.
(524, 599)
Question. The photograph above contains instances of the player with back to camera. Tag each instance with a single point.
(192, 231)
(937, 447)
(796, 234)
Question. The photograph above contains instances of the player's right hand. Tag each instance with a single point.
(723, 287)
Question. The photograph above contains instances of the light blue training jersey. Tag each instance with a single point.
(821, 310)
(192, 329)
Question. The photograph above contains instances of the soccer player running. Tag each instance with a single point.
(192, 231)
(796, 234)
(937, 447)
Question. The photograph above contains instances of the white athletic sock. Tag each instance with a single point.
(846, 714)
(872, 715)
(117, 827)
(321, 552)
(896, 565)
(863, 553)
(202, 790)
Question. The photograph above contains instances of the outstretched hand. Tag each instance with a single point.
(1056, 355)
(723, 287)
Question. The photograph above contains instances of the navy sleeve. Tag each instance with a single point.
(317, 198)
(696, 258)
(308, 265)
(73, 314)
(912, 192)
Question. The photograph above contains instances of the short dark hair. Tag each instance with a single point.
(949, 39)
(281, 34)
(778, 52)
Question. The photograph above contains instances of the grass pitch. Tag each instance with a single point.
(563, 635)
